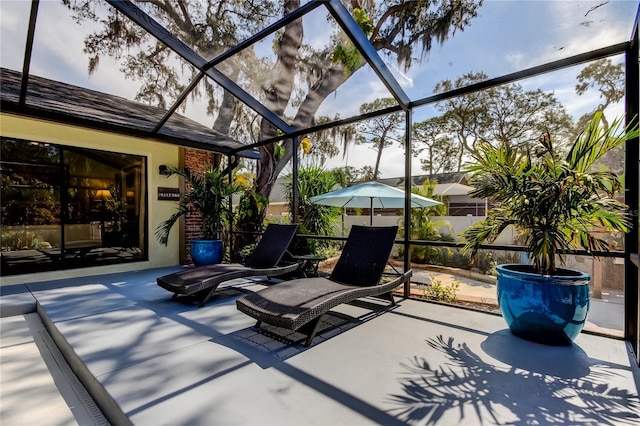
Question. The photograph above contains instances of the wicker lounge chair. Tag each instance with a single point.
(300, 304)
(265, 260)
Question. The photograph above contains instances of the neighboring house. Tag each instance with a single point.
(453, 189)
(278, 206)
(462, 210)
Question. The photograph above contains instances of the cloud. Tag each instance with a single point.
(508, 36)
(362, 87)
(562, 84)
(13, 33)
(391, 164)
(59, 55)
(564, 31)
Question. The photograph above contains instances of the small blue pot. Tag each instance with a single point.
(548, 309)
(206, 252)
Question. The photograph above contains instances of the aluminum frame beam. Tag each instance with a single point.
(171, 41)
(526, 73)
(178, 102)
(234, 50)
(509, 78)
(370, 54)
(632, 196)
(298, 13)
(28, 50)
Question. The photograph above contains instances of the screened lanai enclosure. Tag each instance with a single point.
(372, 89)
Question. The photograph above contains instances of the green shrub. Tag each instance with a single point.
(329, 249)
(20, 240)
(439, 291)
(425, 226)
(250, 206)
(313, 219)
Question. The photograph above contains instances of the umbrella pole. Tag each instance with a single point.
(371, 213)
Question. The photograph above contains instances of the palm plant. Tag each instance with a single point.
(209, 193)
(556, 203)
(250, 205)
(425, 226)
(313, 218)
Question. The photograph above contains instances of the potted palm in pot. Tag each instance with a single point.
(557, 203)
(209, 194)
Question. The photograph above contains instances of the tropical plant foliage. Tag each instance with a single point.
(425, 225)
(312, 218)
(209, 194)
(250, 205)
(437, 290)
(557, 203)
(20, 239)
(608, 79)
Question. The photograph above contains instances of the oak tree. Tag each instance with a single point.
(398, 29)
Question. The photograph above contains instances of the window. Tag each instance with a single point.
(64, 207)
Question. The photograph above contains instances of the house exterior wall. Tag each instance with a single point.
(157, 153)
(277, 210)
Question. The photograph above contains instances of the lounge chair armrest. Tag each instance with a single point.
(403, 277)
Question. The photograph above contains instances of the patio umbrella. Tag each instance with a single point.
(371, 195)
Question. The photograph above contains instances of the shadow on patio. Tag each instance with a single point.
(150, 360)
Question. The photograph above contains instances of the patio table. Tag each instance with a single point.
(309, 263)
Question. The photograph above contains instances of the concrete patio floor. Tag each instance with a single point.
(149, 360)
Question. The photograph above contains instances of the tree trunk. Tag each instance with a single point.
(269, 167)
(379, 156)
(277, 97)
(304, 118)
(225, 116)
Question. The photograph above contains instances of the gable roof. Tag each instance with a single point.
(417, 180)
(69, 104)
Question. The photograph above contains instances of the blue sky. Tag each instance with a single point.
(506, 37)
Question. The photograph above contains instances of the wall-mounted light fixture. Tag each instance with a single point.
(162, 169)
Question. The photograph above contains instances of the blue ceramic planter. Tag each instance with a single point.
(206, 252)
(542, 308)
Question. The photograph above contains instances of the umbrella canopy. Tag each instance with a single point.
(372, 195)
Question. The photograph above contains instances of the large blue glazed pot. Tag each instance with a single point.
(549, 309)
(206, 252)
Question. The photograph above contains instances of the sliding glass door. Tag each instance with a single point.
(65, 207)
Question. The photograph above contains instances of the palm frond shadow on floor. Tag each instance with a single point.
(471, 386)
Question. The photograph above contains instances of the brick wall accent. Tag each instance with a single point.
(197, 161)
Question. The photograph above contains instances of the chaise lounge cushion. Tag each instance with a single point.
(265, 260)
(291, 305)
(299, 304)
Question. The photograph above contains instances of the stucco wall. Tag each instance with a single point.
(157, 153)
